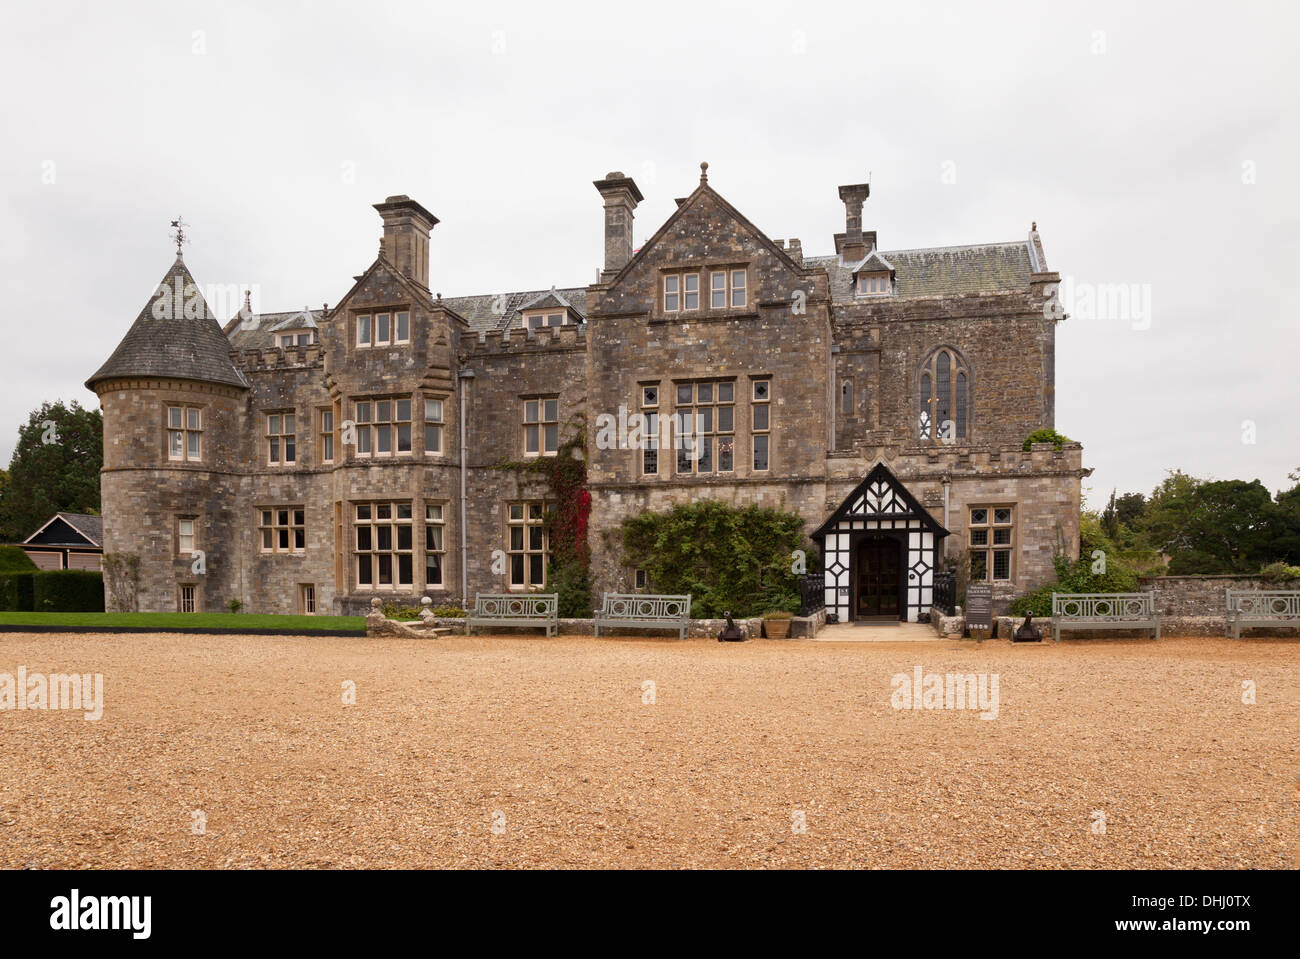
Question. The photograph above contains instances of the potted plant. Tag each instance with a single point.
(776, 624)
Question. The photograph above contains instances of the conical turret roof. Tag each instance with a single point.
(175, 336)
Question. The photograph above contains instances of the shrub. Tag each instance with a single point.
(448, 611)
(1279, 573)
(235, 605)
(725, 557)
(1075, 578)
(17, 592)
(400, 612)
(69, 591)
(1046, 436)
(13, 559)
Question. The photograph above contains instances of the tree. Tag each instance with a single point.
(1219, 527)
(1130, 509)
(55, 468)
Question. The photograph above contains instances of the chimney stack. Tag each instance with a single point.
(852, 246)
(406, 236)
(621, 197)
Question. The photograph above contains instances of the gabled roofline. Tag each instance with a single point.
(381, 260)
(62, 518)
(681, 210)
(876, 472)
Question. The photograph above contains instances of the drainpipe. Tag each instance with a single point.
(947, 484)
(465, 376)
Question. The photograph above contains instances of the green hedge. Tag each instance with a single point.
(17, 592)
(729, 558)
(14, 559)
(69, 591)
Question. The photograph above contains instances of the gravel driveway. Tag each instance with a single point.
(228, 751)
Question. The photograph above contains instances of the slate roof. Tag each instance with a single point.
(174, 345)
(90, 527)
(482, 312)
(263, 334)
(940, 271)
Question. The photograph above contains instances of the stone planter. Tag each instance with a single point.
(776, 628)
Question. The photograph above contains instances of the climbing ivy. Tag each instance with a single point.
(737, 559)
(568, 515)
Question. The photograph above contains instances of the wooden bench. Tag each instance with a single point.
(1104, 611)
(1261, 607)
(644, 611)
(514, 609)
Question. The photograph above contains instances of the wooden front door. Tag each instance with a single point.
(878, 571)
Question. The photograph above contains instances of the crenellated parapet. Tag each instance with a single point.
(279, 358)
(517, 341)
(956, 460)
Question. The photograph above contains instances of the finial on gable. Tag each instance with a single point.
(704, 172)
(1034, 227)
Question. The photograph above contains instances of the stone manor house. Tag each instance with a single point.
(311, 461)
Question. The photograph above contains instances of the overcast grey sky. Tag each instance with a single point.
(1156, 147)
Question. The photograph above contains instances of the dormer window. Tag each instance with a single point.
(296, 338)
(536, 320)
(874, 284)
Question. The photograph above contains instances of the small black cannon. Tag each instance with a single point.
(1028, 632)
(731, 633)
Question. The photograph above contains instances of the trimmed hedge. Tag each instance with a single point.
(68, 591)
(17, 592)
(14, 559)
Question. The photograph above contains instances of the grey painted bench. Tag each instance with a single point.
(514, 609)
(1261, 607)
(644, 611)
(1104, 611)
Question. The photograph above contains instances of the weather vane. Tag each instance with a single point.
(178, 226)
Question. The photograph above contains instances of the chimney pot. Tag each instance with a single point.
(405, 242)
(621, 197)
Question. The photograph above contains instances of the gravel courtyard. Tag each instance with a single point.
(527, 752)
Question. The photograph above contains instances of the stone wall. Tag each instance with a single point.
(1179, 596)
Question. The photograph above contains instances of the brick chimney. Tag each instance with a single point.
(852, 246)
(406, 236)
(621, 197)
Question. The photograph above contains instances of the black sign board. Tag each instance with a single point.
(979, 606)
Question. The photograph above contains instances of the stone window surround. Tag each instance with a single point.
(373, 522)
(530, 515)
(372, 427)
(193, 520)
(764, 433)
(195, 600)
(704, 289)
(714, 431)
(439, 424)
(440, 551)
(988, 549)
(926, 368)
(545, 426)
(287, 525)
(281, 443)
(651, 392)
(185, 430)
(325, 432)
(368, 319)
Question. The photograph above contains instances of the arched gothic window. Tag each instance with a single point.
(944, 400)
